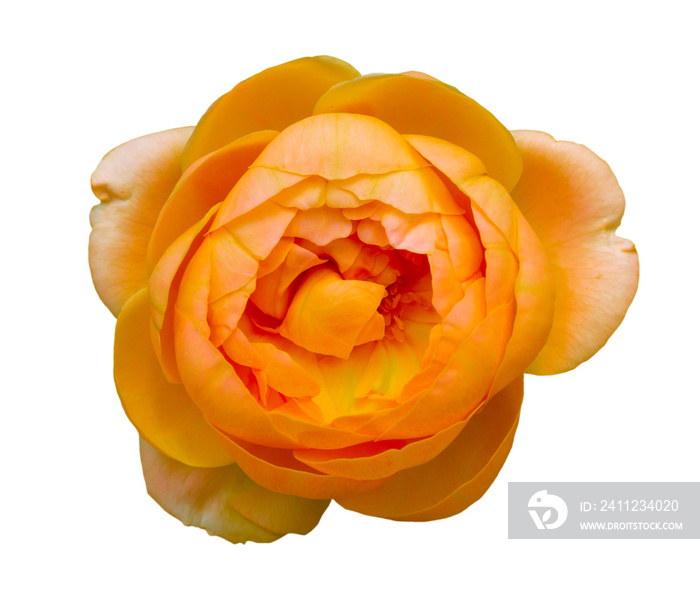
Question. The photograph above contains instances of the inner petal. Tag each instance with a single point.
(329, 315)
(273, 293)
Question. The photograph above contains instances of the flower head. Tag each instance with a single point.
(331, 287)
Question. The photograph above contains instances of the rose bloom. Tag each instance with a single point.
(331, 287)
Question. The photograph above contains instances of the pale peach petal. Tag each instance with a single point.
(574, 203)
(225, 501)
(132, 183)
(162, 412)
(272, 99)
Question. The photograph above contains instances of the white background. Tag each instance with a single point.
(80, 78)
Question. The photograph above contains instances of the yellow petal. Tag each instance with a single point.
(328, 313)
(272, 99)
(162, 412)
(417, 105)
(458, 476)
(574, 203)
(132, 183)
(225, 501)
(282, 373)
(279, 470)
(378, 460)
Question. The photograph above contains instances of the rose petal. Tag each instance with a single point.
(132, 182)
(320, 226)
(328, 313)
(278, 470)
(162, 412)
(206, 183)
(574, 203)
(282, 373)
(427, 107)
(458, 476)
(512, 248)
(207, 376)
(225, 501)
(378, 460)
(163, 287)
(272, 99)
(444, 394)
(339, 146)
(274, 291)
(410, 191)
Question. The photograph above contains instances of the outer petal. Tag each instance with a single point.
(161, 411)
(132, 182)
(574, 203)
(378, 460)
(279, 470)
(458, 476)
(424, 106)
(272, 99)
(204, 185)
(225, 501)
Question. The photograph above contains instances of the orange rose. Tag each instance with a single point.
(331, 287)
